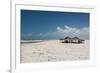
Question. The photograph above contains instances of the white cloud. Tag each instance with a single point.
(69, 31)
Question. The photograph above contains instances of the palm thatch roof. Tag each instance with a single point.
(67, 37)
(76, 38)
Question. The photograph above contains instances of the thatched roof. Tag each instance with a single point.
(76, 38)
(67, 37)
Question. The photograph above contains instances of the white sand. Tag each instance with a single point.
(53, 50)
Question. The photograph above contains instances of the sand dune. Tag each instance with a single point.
(53, 50)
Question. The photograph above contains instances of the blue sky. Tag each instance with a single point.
(51, 25)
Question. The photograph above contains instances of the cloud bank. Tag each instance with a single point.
(82, 33)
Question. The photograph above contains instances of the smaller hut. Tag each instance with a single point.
(66, 40)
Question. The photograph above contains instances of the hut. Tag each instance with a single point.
(76, 40)
(66, 40)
